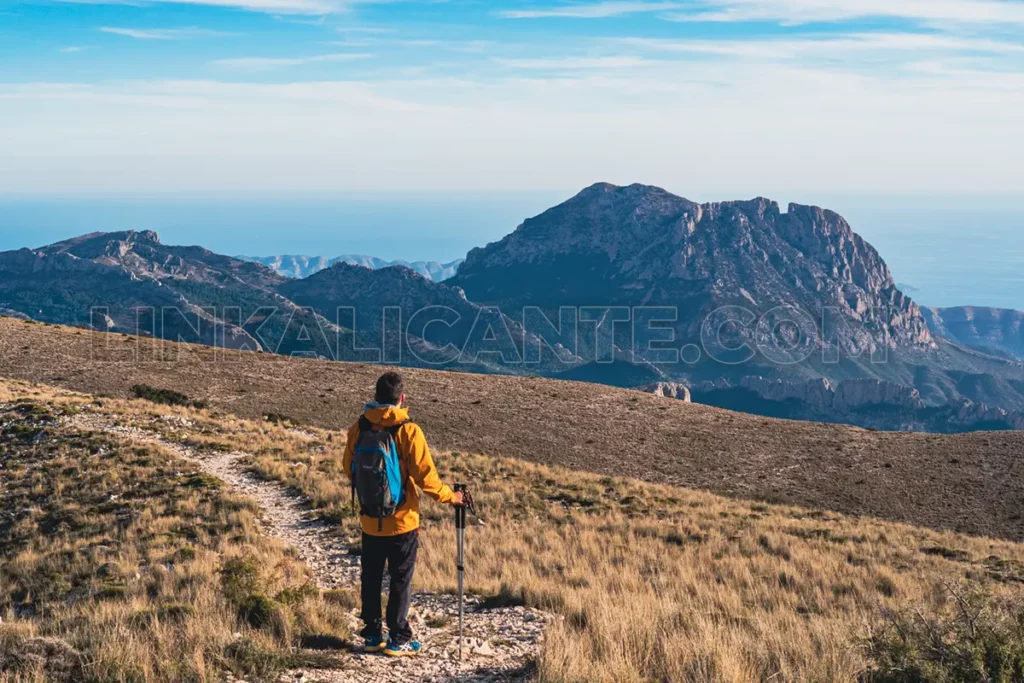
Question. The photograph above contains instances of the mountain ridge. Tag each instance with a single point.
(630, 249)
(299, 267)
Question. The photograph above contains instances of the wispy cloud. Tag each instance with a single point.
(70, 49)
(598, 10)
(833, 46)
(373, 30)
(162, 33)
(573, 63)
(789, 126)
(807, 11)
(318, 21)
(267, 63)
(283, 7)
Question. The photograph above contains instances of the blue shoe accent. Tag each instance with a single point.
(374, 643)
(410, 649)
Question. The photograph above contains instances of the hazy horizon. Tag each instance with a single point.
(948, 251)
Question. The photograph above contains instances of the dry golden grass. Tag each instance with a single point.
(658, 583)
(654, 583)
(126, 564)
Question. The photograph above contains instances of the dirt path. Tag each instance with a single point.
(504, 640)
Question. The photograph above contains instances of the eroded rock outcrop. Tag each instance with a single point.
(668, 390)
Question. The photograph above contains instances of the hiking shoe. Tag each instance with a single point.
(410, 649)
(374, 643)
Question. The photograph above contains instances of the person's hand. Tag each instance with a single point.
(458, 499)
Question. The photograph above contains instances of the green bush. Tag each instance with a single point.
(246, 657)
(296, 595)
(240, 578)
(972, 638)
(258, 611)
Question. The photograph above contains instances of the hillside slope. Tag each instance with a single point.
(642, 246)
(441, 327)
(203, 544)
(969, 483)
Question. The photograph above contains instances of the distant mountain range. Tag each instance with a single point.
(304, 266)
(783, 313)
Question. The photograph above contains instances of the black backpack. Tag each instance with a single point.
(377, 479)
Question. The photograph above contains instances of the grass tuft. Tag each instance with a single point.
(167, 397)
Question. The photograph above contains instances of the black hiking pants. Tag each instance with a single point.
(399, 553)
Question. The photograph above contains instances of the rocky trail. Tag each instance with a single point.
(499, 645)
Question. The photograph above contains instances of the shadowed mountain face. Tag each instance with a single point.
(779, 313)
(998, 331)
(441, 327)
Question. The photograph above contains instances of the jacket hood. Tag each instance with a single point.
(385, 415)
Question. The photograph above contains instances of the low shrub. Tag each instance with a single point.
(972, 638)
(240, 578)
(167, 397)
(258, 611)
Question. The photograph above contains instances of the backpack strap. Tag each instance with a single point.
(403, 468)
(394, 428)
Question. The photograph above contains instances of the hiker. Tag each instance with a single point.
(387, 459)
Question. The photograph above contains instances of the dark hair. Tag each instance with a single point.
(390, 388)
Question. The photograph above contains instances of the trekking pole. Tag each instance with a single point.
(460, 538)
(460, 561)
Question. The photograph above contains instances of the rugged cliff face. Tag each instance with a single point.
(641, 245)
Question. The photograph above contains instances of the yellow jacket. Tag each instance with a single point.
(418, 469)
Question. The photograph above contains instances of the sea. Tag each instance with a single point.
(943, 251)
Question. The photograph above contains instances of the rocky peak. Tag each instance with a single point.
(104, 244)
(641, 245)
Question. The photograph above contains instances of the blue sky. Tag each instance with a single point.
(711, 98)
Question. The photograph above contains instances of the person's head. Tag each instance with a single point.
(390, 389)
